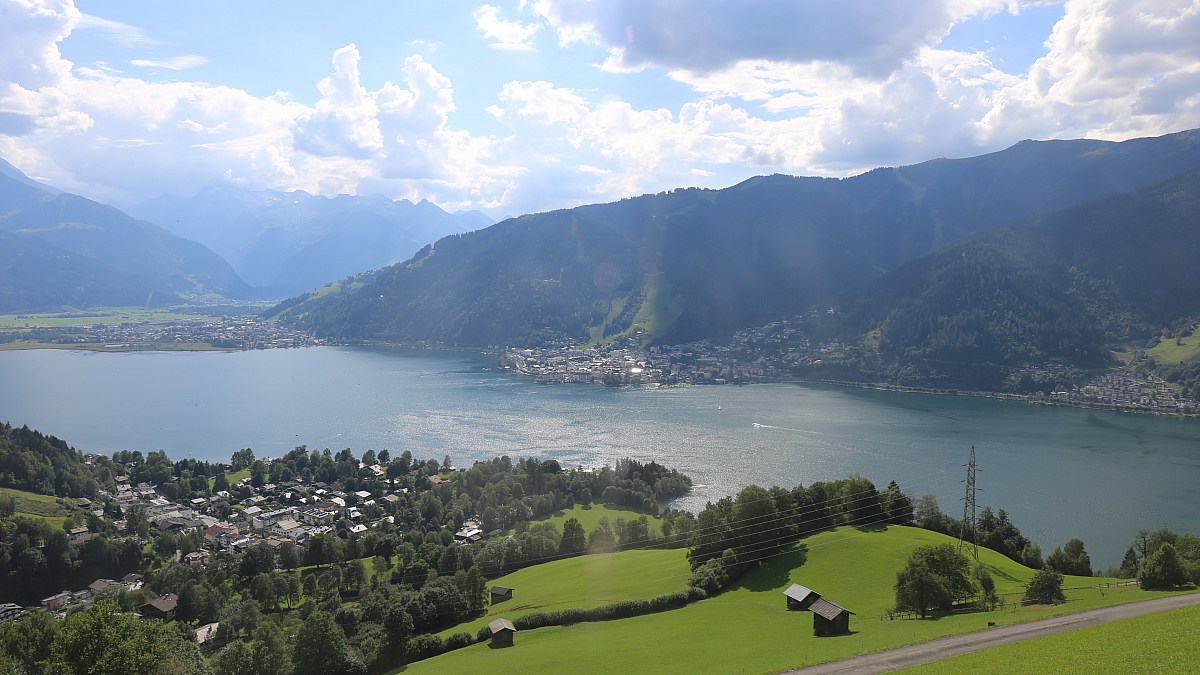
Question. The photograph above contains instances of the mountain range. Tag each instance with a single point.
(61, 249)
(692, 263)
(285, 243)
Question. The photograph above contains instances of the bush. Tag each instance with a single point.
(1045, 588)
(425, 646)
(459, 640)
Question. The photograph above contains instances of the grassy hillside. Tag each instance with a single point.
(1186, 350)
(1158, 643)
(586, 581)
(748, 629)
(33, 505)
(589, 517)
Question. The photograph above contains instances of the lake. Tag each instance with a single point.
(1059, 472)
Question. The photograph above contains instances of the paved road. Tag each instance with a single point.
(902, 657)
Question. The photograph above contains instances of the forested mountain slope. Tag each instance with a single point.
(703, 263)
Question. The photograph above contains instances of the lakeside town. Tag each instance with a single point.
(774, 353)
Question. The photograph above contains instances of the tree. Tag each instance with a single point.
(898, 505)
(262, 589)
(1045, 588)
(601, 538)
(1070, 559)
(933, 577)
(929, 515)
(105, 641)
(289, 555)
(475, 588)
(1162, 570)
(1129, 564)
(321, 648)
(573, 538)
(29, 640)
(987, 586)
(918, 589)
(235, 659)
(270, 654)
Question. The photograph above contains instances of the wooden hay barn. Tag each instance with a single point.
(829, 618)
(500, 594)
(502, 632)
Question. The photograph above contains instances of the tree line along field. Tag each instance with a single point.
(748, 627)
(1158, 643)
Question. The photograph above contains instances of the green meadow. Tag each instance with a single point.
(1185, 350)
(1157, 643)
(589, 517)
(748, 628)
(586, 581)
(35, 505)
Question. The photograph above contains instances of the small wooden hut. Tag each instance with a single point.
(829, 618)
(500, 594)
(502, 632)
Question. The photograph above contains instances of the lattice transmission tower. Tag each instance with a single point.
(968, 519)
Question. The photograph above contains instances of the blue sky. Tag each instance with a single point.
(513, 107)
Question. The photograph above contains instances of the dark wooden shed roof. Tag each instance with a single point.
(827, 609)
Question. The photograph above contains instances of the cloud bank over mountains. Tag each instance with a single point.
(801, 87)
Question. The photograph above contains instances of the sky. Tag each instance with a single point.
(520, 107)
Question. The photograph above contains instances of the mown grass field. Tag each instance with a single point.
(1186, 351)
(1158, 643)
(589, 517)
(233, 478)
(586, 581)
(36, 506)
(748, 628)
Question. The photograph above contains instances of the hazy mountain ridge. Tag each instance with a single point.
(63, 249)
(702, 263)
(289, 242)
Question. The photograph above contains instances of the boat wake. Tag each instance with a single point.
(772, 426)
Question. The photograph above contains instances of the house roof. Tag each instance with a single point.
(100, 584)
(800, 593)
(827, 609)
(501, 590)
(166, 604)
(501, 624)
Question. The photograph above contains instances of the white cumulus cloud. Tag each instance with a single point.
(504, 33)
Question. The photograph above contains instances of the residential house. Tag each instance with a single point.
(160, 608)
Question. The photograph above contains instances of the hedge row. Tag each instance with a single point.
(616, 610)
